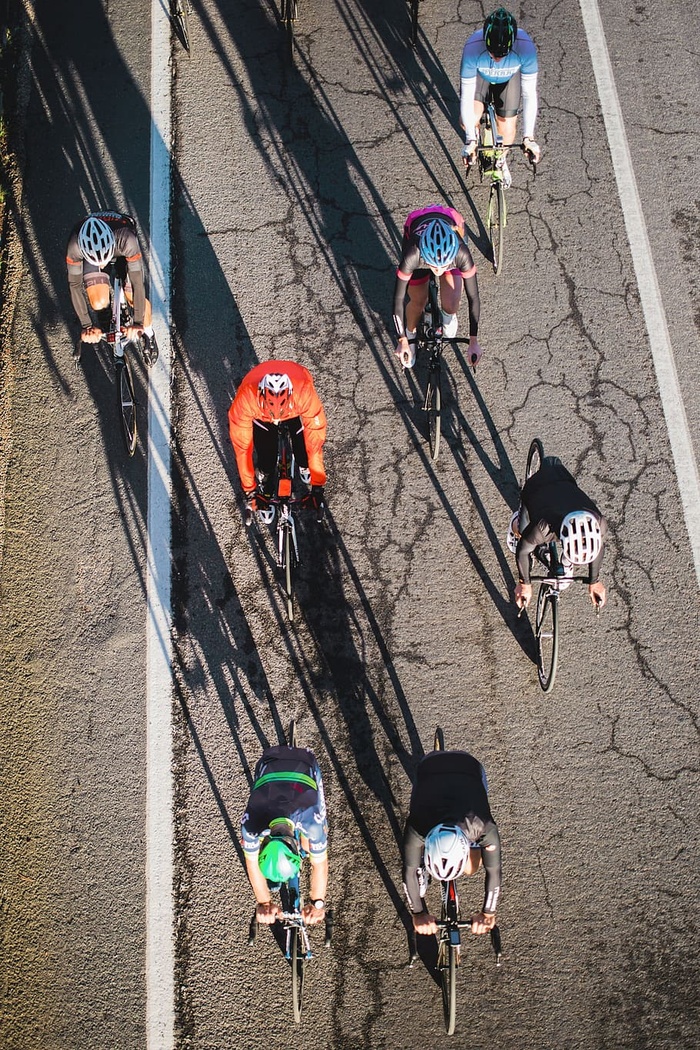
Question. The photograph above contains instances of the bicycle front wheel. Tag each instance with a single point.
(433, 405)
(126, 404)
(497, 223)
(547, 637)
(439, 741)
(414, 22)
(297, 959)
(292, 733)
(448, 981)
(181, 21)
(534, 458)
(289, 572)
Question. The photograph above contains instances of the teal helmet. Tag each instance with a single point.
(279, 857)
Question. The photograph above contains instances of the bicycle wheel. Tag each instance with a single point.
(414, 22)
(180, 17)
(289, 572)
(547, 636)
(126, 404)
(433, 405)
(439, 742)
(292, 733)
(497, 223)
(297, 959)
(534, 458)
(448, 982)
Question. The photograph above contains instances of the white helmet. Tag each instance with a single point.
(96, 241)
(580, 537)
(446, 851)
(511, 538)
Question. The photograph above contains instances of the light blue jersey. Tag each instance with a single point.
(477, 60)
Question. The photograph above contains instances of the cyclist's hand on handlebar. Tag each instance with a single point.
(598, 594)
(267, 913)
(482, 923)
(312, 915)
(523, 594)
(424, 923)
(532, 149)
(475, 351)
(406, 352)
(469, 154)
(93, 334)
(133, 331)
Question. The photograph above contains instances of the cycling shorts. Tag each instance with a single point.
(505, 96)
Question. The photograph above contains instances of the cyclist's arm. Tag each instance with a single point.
(77, 291)
(313, 418)
(240, 427)
(471, 286)
(528, 90)
(256, 878)
(412, 859)
(135, 269)
(491, 859)
(594, 571)
(467, 91)
(533, 537)
(318, 880)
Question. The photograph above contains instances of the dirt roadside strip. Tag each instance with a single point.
(14, 88)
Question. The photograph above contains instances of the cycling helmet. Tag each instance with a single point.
(96, 241)
(446, 851)
(279, 857)
(439, 245)
(500, 30)
(580, 537)
(275, 393)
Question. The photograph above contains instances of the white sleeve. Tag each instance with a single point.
(466, 107)
(528, 89)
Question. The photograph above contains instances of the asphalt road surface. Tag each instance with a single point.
(290, 187)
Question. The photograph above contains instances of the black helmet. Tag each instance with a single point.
(500, 30)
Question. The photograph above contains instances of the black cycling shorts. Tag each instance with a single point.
(505, 96)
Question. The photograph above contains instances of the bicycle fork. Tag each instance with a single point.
(286, 523)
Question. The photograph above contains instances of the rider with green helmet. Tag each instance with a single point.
(285, 819)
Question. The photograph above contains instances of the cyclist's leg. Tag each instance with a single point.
(417, 298)
(98, 294)
(506, 102)
(298, 443)
(265, 451)
(450, 295)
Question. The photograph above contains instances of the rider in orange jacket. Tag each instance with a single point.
(271, 393)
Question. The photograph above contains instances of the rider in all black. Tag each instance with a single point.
(450, 791)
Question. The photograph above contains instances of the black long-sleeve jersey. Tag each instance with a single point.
(547, 497)
(450, 789)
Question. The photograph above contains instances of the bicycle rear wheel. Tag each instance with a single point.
(292, 733)
(433, 406)
(534, 458)
(414, 22)
(497, 223)
(547, 636)
(297, 960)
(180, 17)
(439, 742)
(126, 404)
(447, 962)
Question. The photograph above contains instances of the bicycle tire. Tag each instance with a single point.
(297, 960)
(497, 223)
(126, 404)
(289, 573)
(414, 22)
(433, 402)
(180, 18)
(439, 741)
(292, 733)
(448, 984)
(547, 637)
(534, 458)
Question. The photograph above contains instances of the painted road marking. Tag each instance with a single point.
(160, 926)
(652, 305)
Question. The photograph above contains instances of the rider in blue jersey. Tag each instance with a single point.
(499, 62)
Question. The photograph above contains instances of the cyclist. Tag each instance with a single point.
(552, 506)
(499, 62)
(433, 240)
(272, 392)
(285, 815)
(450, 832)
(95, 242)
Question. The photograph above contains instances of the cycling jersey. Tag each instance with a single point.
(478, 63)
(287, 783)
(127, 248)
(305, 403)
(547, 497)
(450, 789)
(412, 269)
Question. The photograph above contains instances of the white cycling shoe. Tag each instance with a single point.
(266, 516)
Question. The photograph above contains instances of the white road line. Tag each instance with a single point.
(652, 305)
(160, 926)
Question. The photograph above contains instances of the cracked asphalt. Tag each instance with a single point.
(291, 187)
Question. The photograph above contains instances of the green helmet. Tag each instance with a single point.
(279, 858)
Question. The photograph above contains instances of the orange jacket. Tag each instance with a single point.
(305, 403)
